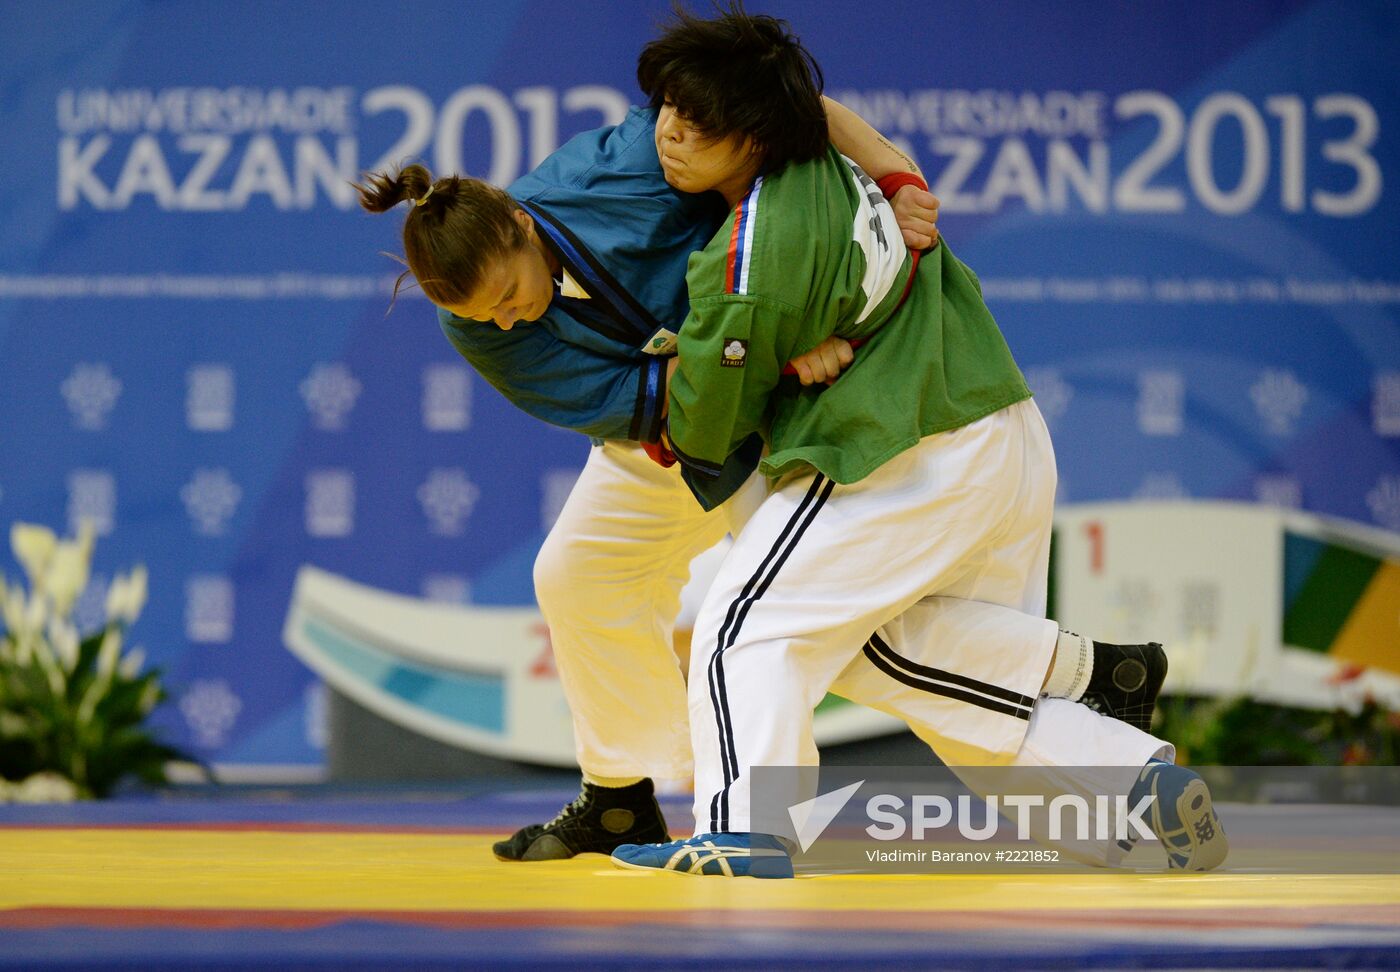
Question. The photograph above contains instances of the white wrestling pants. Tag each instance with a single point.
(944, 553)
(608, 580)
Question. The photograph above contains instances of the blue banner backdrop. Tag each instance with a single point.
(1184, 215)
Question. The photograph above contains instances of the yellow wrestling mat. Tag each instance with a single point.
(220, 869)
(375, 881)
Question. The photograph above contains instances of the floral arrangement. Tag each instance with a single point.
(72, 704)
(1245, 732)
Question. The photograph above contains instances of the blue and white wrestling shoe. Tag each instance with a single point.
(1182, 816)
(724, 855)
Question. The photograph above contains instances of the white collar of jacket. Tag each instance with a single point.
(569, 287)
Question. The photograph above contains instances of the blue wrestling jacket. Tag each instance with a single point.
(602, 205)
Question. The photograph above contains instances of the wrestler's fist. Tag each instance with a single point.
(916, 212)
(823, 363)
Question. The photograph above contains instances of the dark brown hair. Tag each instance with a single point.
(743, 74)
(456, 229)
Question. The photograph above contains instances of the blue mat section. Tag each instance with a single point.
(380, 945)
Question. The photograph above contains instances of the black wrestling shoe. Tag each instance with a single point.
(1125, 682)
(600, 820)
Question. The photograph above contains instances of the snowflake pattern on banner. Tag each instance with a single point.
(330, 503)
(90, 610)
(209, 607)
(92, 498)
(330, 392)
(211, 708)
(209, 398)
(446, 589)
(91, 392)
(447, 398)
(1279, 399)
(1161, 486)
(1161, 404)
(1279, 490)
(1384, 501)
(211, 497)
(1385, 404)
(448, 498)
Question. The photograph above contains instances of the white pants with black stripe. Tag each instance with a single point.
(608, 580)
(943, 552)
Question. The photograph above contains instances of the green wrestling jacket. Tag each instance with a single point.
(814, 251)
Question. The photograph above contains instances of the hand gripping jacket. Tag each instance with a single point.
(812, 251)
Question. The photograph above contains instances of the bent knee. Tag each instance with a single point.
(554, 576)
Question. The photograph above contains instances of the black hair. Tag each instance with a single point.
(454, 233)
(739, 74)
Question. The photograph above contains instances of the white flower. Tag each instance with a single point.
(45, 788)
(63, 636)
(130, 666)
(138, 591)
(36, 615)
(33, 546)
(87, 535)
(87, 707)
(108, 654)
(68, 575)
(116, 598)
(11, 607)
(127, 596)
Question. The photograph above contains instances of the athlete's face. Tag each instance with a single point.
(517, 288)
(695, 162)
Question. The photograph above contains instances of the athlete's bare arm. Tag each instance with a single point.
(915, 209)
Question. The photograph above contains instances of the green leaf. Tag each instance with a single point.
(82, 674)
(121, 705)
